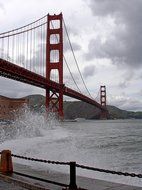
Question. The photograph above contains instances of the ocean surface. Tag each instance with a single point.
(108, 144)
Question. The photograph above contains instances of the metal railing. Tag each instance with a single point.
(73, 166)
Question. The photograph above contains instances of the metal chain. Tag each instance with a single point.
(40, 160)
(79, 166)
(109, 171)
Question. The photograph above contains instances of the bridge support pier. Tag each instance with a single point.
(54, 102)
(54, 61)
(104, 115)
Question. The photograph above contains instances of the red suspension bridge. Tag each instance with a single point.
(33, 54)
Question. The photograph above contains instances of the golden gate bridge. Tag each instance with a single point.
(33, 54)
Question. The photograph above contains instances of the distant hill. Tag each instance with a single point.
(78, 109)
(35, 101)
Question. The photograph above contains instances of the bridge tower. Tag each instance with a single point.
(54, 100)
(103, 95)
(104, 113)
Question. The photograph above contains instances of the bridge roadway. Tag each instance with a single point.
(15, 72)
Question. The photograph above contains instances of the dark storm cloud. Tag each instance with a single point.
(124, 45)
(89, 71)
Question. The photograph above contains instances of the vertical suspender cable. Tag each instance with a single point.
(75, 59)
(23, 49)
(13, 47)
(27, 49)
(31, 49)
(8, 48)
(18, 49)
(68, 65)
(2, 47)
(41, 48)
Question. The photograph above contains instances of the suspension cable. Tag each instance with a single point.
(71, 74)
(23, 26)
(67, 64)
(75, 59)
(97, 95)
(24, 31)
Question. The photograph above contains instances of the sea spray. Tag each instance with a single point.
(113, 145)
(28, 123)
(35, 134)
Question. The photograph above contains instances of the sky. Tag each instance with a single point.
(107, 41)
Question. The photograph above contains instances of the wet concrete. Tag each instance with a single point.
(86, 183)
(9, 186)
(15, 182)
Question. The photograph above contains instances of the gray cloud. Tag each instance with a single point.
(67, 48)
(15, 89)
(140, 93)
(123, 84)
(89, 71)
(127, 103)
(125, 42)
(68, 78)
(75, 47)
(1, 6)
(95, 50)
(134, 105)
(126, 79)
(71, 31)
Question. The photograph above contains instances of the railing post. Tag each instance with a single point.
(72, 185)
(6, 166)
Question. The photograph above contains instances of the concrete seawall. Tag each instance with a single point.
(86, 183)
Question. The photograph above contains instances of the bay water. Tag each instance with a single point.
(108, 144)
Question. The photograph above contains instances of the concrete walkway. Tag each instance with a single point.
(9, 186)
(86, 183)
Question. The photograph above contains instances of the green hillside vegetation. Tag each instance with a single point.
(78, 109)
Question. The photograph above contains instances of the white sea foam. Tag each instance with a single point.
(109, 145)
(34, 134)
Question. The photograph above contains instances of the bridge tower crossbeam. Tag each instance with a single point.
(54, 99)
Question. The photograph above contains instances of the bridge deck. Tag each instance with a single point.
(12, 71)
